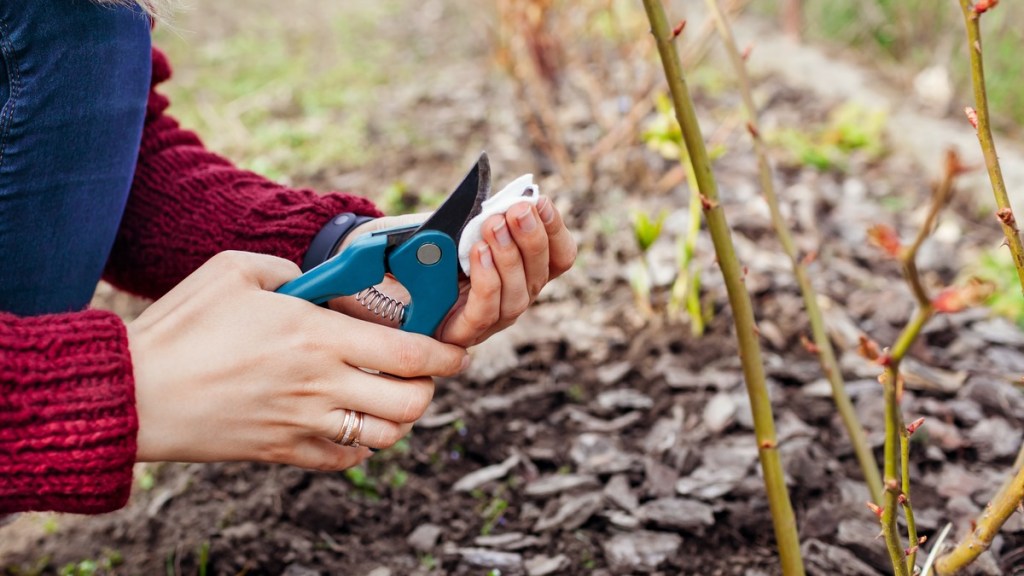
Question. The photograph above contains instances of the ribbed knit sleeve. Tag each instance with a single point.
(67, 413)
(187, 204)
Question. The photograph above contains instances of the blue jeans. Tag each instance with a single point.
(74, 80)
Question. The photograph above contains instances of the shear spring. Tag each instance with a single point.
(381, 304)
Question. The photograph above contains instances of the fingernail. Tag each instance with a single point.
(526, 219)
(465, 363)
(501, 233)
(546, 210)
(485, 256)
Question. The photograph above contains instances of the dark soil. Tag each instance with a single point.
(644, 426)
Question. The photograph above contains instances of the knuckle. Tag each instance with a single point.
(566, 258)
(231, 261)
(333, 460)
(276, 453)
(537, 285)
(417, 400)
(306, 344)
(488, 290)
(387, 435)
(410, 359)
(480, 320)
(516, 308)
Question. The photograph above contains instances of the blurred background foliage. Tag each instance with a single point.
(901, 37)
(278, 91)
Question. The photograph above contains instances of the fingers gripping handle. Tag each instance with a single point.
(427, 265)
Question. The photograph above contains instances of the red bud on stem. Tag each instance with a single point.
(972, 116)
(982, 6)
(913, 426)
(678, 29)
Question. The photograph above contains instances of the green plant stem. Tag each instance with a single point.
(988, 145)
(826, 354)
(693, 286)
(893, 436)
(908, 510)
(992, 519)
(897, 478)
(1011, 496)
(783, 519)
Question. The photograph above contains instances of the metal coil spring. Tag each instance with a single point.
(381, 304)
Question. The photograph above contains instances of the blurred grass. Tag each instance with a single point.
(284, 99)
(921, 33)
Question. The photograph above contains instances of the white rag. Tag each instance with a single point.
(521, 189)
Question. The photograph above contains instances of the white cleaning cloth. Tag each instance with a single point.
(521, 189)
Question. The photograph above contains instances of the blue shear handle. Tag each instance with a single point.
(361, 265)
(433, 286)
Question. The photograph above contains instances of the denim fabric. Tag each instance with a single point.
(74, 80)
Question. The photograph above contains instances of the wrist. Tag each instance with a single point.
(330, 238)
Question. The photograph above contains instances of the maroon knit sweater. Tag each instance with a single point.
(67, 398)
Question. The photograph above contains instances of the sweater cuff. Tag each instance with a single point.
(67, 408)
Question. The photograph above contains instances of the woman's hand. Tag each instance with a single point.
(520, 252)
(225, 369)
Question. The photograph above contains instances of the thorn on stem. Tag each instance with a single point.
(754, 132)
(972, 116)
(678, 29)
(902, 499)
(922, 540)
(876, 509)
(768, 444)
(892, 485)
(809, 258)
(911, 550)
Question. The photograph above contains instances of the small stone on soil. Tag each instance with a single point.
(600, 454)
(558, 483)
(573, 512)
(719, 412)
(484, 558)
(424, 537)
(679, 514)
(640, 551)
(545, 565)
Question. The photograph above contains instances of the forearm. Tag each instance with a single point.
(67, 413)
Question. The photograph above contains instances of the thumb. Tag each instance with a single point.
(268, 272)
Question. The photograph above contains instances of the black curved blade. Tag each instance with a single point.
(464, 203)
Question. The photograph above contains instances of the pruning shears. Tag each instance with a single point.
(423, 258)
